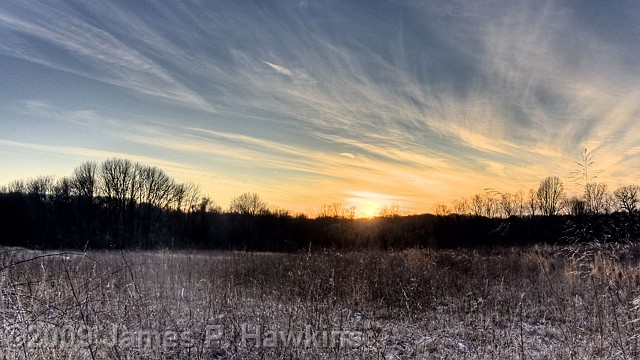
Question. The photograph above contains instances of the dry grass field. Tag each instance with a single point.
(533, 303)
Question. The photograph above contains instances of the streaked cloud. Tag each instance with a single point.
(100, 54)
(323, 102)
(281, 69)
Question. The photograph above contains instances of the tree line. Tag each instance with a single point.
(116, 203)
(121, 204)
(550, 198)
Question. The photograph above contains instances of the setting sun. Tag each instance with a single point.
(367, 212)
(368, 204)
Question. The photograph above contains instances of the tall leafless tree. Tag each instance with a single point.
(595, 197)
(16, 186)
(507, 204)
(520, 203)
(461, 206)
(336, 210)
(41, 186)
(248, 204)
(154, 187)
(440, 209)
(390, 211)
(118, 185)
(627, 198)
(477, 205)
(549, 195)
(63, 189)
(117, 178)
(84, 180)
(186, 197)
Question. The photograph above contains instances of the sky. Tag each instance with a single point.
(365, 103)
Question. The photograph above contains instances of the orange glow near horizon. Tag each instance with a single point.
(368, 204)
(367, 212)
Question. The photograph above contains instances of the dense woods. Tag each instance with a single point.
(121, 204)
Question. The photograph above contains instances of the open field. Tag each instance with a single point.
(533, 303)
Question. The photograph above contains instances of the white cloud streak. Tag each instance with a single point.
(279, 68)
(106, 58)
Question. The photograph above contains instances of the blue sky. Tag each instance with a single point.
(310, 102)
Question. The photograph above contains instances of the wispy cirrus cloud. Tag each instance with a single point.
(89, 51)
(421, 102)
(280, 69)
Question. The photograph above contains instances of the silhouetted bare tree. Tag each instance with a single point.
(440, 209)
(84, 181)
(595, 197)
(477, 205)
(461, 206)
(390, 211)
(248, 204)
(520, 203)
(187, 197)
(507, 204)
(549, 194)
(63, 190)
(118, 185)
(627, 198)
(576, 206)
(41, 186)
(15, 186)
(118, 180)
(336, 210)
(155, 187)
